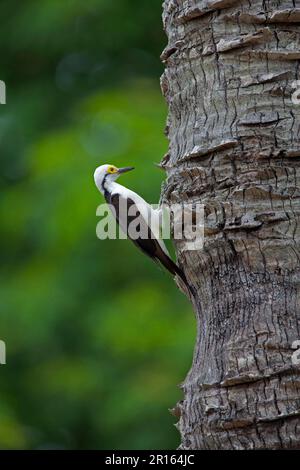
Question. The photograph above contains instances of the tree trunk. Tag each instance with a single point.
(234, 146)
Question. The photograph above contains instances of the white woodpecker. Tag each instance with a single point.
(117, 196)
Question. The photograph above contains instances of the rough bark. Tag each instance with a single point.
(234, 146)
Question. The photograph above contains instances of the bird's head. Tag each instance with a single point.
(108, 173)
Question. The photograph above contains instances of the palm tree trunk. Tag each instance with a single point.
(234, 146)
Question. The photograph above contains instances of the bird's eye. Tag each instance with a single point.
(111, 169)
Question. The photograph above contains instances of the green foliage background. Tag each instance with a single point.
(97, 337)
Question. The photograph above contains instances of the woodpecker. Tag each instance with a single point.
(118, 196)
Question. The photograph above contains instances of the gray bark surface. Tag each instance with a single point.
(234, 146)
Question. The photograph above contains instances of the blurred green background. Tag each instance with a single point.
(97, 336)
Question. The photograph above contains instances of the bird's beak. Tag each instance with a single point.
(125, 169)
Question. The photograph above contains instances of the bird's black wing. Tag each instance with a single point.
(147, 244)
(126, 213)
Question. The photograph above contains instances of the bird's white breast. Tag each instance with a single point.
(149, 214)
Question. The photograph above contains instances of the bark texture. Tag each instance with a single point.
(234, 146)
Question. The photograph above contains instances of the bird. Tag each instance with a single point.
(118, 196)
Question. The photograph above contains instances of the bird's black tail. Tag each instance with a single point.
(175, 270)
